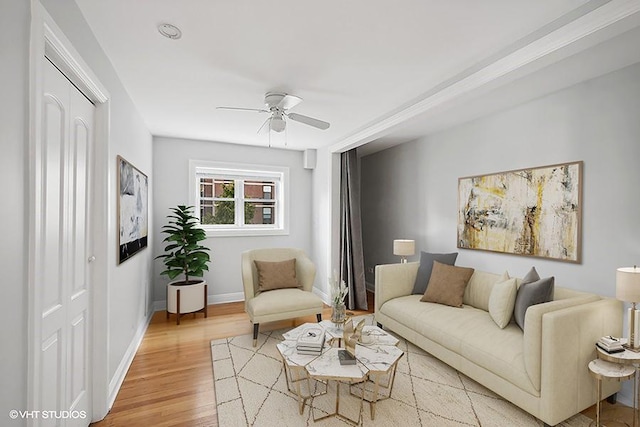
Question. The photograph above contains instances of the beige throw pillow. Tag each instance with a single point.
(276, 275)
(502, 301)
(447, 283)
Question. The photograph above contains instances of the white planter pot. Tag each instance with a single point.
(182, 299)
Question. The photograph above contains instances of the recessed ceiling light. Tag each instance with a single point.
(170, 31)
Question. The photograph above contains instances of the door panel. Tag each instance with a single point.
(62, 250)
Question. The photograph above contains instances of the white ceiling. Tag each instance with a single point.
(376, 70)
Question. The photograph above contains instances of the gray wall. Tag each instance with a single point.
(14, 118)
(171, 175)
(410, 191)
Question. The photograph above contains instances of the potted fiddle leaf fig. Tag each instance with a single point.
(185, 256)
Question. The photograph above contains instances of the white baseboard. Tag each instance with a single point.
(211, 299)
(323, 296)
(125, 363)
(370, 286)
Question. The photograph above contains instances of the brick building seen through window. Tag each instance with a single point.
(219, 199)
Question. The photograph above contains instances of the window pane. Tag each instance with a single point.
(259, 213)
(206, 187)
(223, 213)
(260, 190)
(206, 212)
(224, 188)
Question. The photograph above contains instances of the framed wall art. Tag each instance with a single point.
(133, 212)
(533, 212)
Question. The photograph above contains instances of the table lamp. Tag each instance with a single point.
(404, 248)
(628, 289)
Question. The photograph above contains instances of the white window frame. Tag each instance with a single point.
(242, 172)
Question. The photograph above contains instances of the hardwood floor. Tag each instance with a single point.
(170, 382)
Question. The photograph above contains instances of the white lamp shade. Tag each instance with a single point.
(404, 247)
(628, 284)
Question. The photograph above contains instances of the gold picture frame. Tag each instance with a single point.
(532, 212)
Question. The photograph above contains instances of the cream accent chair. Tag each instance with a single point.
(279, 304)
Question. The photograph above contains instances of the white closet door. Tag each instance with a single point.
(63, 163)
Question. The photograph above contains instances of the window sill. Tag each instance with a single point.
(246, 232)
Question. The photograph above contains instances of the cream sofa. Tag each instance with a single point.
(542, 369)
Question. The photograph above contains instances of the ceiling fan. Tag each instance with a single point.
(278, 106)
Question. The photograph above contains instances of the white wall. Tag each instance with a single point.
(14, 118)
(128, 285)
(171, 175)
(411, 190)
(326, 219)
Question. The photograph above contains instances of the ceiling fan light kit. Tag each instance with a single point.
(277, 124)
(277, 104)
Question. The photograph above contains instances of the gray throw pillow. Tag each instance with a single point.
(426, 266)
(531, 293)
(531, 276)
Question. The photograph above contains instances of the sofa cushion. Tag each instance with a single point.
(533, 290)
(470, 333)
(426, 266)
(500, 351)
(502, 301)
(479, 288)
(447, 284)
(276, 275)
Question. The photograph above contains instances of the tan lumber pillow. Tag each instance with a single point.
(502, 301)
(276, 275)
(447, 284)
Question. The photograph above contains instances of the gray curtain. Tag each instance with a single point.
(351, 257)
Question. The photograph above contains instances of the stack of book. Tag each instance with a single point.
(610, 344)
(311, 340)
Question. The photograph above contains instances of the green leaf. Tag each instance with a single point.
(183, 254)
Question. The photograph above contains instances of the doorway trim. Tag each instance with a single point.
(46, 38)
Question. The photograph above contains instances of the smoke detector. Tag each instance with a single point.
(170, 31)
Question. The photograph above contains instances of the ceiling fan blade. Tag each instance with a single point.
(265, 122)
(289, 101)
(259, 110)
(308, 121)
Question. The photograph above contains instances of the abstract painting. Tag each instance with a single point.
(133, 215)
(534, 212)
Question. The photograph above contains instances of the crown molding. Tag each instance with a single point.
(577, 29)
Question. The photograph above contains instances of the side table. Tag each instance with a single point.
(295, 372)
(631, 359)
(601, 369)
(381, 361)
(327, 367)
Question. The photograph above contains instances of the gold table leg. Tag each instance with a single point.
(337, 408)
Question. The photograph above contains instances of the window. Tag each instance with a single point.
(235, 199)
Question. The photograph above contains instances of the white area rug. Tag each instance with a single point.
(251, 390)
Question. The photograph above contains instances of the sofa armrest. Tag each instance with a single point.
(393, 281)
(533, 333)
(568, 345)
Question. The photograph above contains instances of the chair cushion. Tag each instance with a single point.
(283, 304)
(276, 275)
(447, 284)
